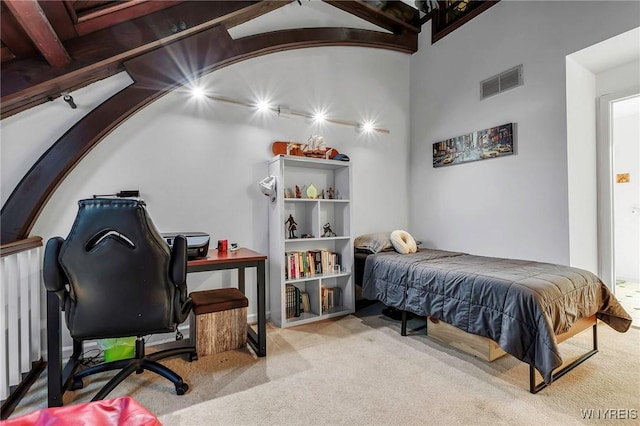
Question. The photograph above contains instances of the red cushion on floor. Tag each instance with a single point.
(123, 411)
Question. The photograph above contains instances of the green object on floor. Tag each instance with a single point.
(119, 348)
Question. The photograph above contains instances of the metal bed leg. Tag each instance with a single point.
(403, 330)
(533, 388)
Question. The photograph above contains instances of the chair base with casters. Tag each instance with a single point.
(60, 379)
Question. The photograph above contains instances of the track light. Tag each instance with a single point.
(319, 117)
(367, 127)
(69, 99)
(264, 106)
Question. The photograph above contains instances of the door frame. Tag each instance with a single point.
(605, 169)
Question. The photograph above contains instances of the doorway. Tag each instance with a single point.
(625, 134)
(619, 197)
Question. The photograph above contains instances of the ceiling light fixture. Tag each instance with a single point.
(319, 117)
(197, 92)
(367, 127)
(263, 106)
(283, 111)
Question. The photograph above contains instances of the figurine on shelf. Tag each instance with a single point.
(330, 193)
(321, 196)
(292, 226)
(315, 147)
(288, 193)
(294, 148)
(328, 232)
(312, 192)
(298, 192)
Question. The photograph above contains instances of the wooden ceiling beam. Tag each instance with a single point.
(28, 82)
(6, 54)
(34, 22)
(118, 13)
(58, 15)
(12, 36)
(394, 16)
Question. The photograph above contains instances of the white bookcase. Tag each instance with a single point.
(310, 215)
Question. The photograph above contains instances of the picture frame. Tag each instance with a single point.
(493, 142)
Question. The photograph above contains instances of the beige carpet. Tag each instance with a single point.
(358, 370)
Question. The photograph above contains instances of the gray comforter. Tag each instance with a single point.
(521, 305)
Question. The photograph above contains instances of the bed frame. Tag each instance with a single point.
(485, 348)
(489, 350)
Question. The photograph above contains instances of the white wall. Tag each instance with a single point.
(516, 206)
(197, 165)
(26, 136)
(581, 166)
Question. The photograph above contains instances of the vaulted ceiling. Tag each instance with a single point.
(50, 47)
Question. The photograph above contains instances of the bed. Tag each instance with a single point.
(523, 306)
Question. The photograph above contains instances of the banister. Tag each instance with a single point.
(20, 245)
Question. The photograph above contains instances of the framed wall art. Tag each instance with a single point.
(488, 143)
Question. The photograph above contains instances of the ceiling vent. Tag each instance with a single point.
(501, 82)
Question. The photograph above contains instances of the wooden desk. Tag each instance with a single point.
(241, 259)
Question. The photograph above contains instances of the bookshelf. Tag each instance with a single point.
(323, 285)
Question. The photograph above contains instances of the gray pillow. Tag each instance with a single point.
(373, 243)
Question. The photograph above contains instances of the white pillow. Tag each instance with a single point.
(403, 242)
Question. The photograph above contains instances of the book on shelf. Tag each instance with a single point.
(331, 298)
(305, 306)
(293, 301)
(301, 264)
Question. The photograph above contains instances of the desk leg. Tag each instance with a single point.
(258, 340)
(241, 279)
(262, 311)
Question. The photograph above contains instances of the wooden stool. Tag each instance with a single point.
(219, 322)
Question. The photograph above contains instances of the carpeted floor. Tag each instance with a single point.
(358, 370)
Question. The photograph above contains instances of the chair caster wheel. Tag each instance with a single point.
(76, 384)
(182, 388)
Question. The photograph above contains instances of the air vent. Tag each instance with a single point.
(501, 82)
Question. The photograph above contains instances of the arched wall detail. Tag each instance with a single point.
(154, 74)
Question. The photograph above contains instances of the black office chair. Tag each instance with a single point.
(114, 276)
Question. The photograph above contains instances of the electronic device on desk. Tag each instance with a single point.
(197, 243)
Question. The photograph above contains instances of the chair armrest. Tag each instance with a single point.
(54, 276)
(178, 274)
(178, 265)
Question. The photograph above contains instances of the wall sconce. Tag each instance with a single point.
(69, 99)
